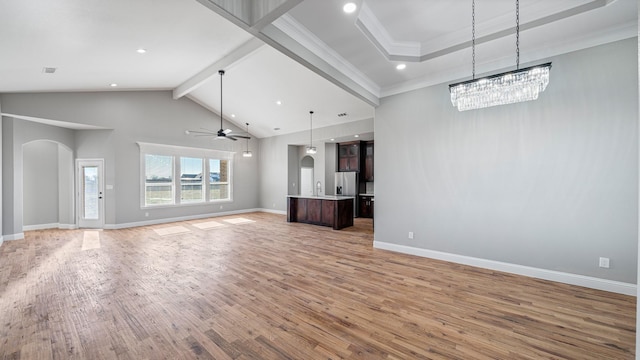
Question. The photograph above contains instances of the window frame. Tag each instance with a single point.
(177, 153)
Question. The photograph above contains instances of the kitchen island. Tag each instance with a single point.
(334, 211)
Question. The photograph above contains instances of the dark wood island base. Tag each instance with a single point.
(333, 211)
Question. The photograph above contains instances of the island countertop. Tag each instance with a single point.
(322, 197)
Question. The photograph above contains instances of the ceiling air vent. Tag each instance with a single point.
(342, 114)
(49, 70)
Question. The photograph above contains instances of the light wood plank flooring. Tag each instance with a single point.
(268, 289)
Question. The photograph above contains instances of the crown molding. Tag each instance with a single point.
(296, 31)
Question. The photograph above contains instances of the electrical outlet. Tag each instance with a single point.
(604, 262)
(410, 234)
(146, 214)
(220, 207)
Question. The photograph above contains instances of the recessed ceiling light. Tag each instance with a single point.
(356, 135)
(332, 139)
(141, 51)
(401, 66)
(278, 102)
(233, 115)
(349, 7)
(113, 84)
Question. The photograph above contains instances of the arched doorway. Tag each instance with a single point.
(306, 176)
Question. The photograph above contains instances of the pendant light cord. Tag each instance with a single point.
(473, 38)
(221, 72)
(311, 129)
(517, 34)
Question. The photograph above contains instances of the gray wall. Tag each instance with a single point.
(276, 169)
(330, 158)
(17, 133)
(40, 183)
(152, 117)
(551, 184)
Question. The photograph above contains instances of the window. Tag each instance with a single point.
(158, 184)
(174, 175)
(191, 181)
(218, 179)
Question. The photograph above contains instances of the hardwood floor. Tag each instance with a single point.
(269, 289)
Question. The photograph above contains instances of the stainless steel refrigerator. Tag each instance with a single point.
(347, 185)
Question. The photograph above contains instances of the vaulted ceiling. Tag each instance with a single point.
(306, 54)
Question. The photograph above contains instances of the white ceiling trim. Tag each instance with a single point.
(541, 53)
(373, 29)
(296, 31)
(414, 51)
(58, 123)
(251, 15)
(233, 57)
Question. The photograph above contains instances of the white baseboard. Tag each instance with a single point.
(40, 227)
(1, 240)
(18, 236)
(279, 212)
(49, 226)
(181, 218)
(567, 278)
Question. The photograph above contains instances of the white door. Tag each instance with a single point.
(306, 181)
(90, 193)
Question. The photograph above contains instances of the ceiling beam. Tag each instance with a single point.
(210, 71)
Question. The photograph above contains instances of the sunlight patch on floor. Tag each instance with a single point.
(236, 221)
(91, 240)
(172, 230)
(208, 225)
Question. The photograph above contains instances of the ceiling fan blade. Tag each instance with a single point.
(227, 131)
(242, 137)
(232, 138)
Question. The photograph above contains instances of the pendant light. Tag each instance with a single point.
(505, 88)
(311, 149)
(247, 153)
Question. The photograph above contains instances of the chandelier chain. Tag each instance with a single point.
(473, 38)
(517, 34)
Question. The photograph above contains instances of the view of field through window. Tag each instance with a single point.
(160, 185)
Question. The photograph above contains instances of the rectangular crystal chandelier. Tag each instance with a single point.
(501, 89)
(506, 88)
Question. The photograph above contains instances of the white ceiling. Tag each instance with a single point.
(308, 54)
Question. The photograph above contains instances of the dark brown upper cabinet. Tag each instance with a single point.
(349, 156)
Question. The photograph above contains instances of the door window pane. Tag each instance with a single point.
(191, 189)
(90, 186)
(218, 179)
(158, 186)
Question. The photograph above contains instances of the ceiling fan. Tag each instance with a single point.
(222, 133)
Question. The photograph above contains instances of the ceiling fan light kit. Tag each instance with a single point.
(505, 88)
